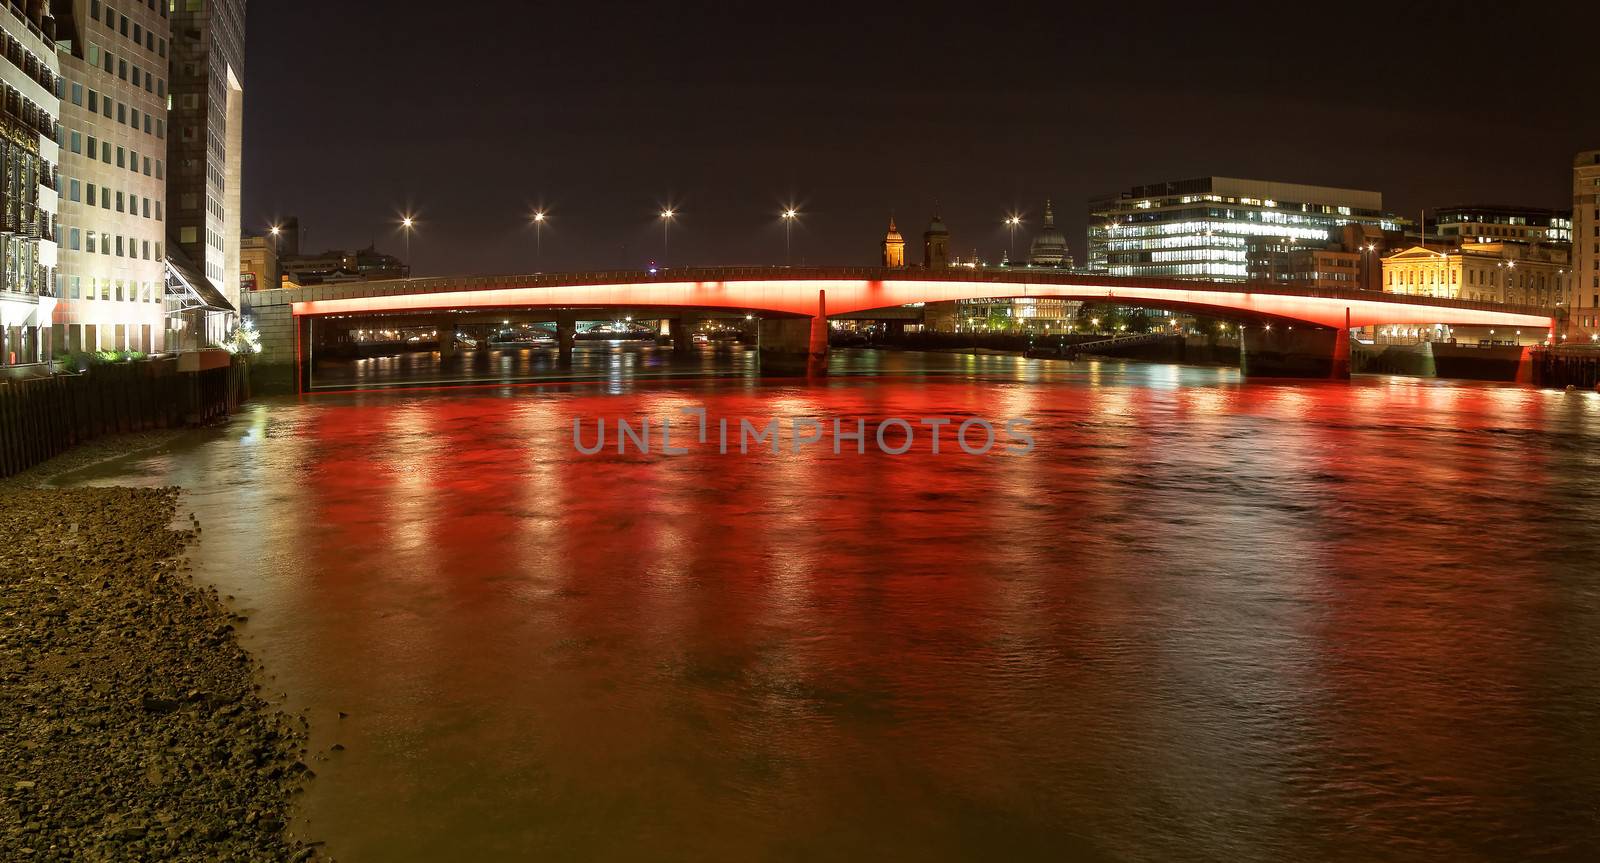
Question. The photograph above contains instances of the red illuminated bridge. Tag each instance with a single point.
(794, 304)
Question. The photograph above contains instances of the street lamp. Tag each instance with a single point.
(538, 236)
(407, 222)
(789, 216)
(1012, 221)
(667, 214)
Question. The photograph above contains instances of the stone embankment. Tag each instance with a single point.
(132, 726)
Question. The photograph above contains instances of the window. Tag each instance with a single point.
(119, 202)
(122, 113)
(188, 235)
(73, 243)
(146, 245)
(94, 55)
(122, 69)
(110, 64)
(77, 141)
(94, 102)
(134, 117)
(91, 195)
(136, 74)
(105, 198)
(119, 248)
(105, 106)
(124, 27)
(147, 166)
(105, 152)
(91, 243)
(138, 33)
(77, 95)
(75, 192)
(145, 208)
(122, 158)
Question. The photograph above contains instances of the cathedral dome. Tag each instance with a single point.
(1049, 248)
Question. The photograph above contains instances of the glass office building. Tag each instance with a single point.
(1204, 228)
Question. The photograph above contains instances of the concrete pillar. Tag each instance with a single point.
(566, 335)
(796, 346)
(1295, 352)
(682, 330)
(447, 338)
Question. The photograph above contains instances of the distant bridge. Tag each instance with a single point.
(794, 304)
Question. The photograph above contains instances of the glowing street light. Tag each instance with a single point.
(407, 223)
(538, 218)
(1012, 221)
(667, 215)
(789, 215)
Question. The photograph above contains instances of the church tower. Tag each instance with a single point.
(894, 247)
(936, 244)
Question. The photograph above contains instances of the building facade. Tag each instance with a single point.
(29, 136)
(1583, 294)
(1321, 265)
(1504, 272)
(113, 184)
(339, 265)
(204, 147)
(1494, 224)
(258, 263)
(1202, 228)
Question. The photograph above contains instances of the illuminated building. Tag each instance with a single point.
(1202, 228)
(1322, 265)
(1049, 247)
(205, 143)
(1504, 272)
(894, 247)
(338, 266)
(30, 151)
(258, 263)
(113, 169)
(1583, 294)
(1490, 224)
(936, 244)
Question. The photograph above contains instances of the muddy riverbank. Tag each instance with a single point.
(133, 726)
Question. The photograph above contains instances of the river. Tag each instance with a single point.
(1203, 619)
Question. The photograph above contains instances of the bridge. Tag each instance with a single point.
(1290, 331)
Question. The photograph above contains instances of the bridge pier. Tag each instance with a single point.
(795, 346)
(566, 335)
(1295, 352)
(682, 330)
(447, 338)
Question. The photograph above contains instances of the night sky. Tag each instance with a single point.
(605, 111)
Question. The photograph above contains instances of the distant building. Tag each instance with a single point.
(1502, 272)
(894, 247)
(30, 151)
(258, 262)
(1583, 293)
(1493, 223)
(1202, 228)
(335, 266)
(936, 244)
(1049, 248)
(113, 177)
(205, 141)
(1306, 265)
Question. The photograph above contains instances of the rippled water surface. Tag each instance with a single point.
(1203, 620)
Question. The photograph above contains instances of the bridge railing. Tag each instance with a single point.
(947, 274)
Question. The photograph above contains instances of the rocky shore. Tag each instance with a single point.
(131, 723)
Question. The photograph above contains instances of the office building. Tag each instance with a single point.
(1202, 228)
(113, 175)
(204, 146)
(30, 154)
(1493, 224)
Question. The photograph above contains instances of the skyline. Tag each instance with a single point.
(741, 127)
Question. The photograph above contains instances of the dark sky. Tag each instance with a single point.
(604, 111)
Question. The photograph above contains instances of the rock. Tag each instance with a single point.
(152, 704)
(24, 784)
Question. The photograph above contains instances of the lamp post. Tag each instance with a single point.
(538, 237)
(406, 224)
(789, 216)
(667, 214)
(1012, 221)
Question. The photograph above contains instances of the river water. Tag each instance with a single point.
(1203, 619)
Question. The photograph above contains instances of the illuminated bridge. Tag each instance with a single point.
(1302, 332)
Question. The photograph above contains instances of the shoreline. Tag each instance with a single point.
(134, 725)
